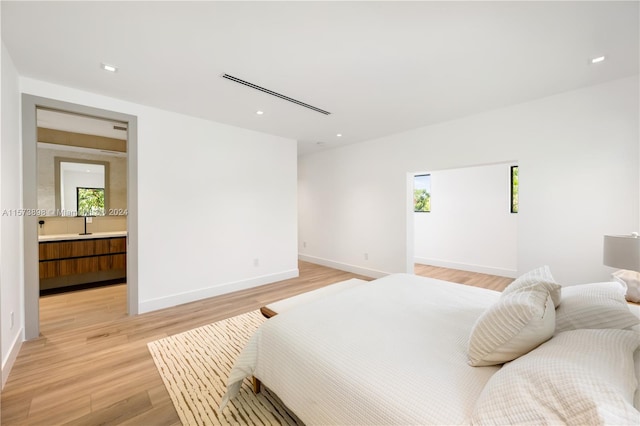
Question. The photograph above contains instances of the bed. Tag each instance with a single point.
(397, 350)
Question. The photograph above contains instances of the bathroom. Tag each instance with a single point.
(82, 201)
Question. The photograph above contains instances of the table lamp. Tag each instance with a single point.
(623, 252)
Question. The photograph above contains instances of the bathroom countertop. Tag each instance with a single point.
(95, 235)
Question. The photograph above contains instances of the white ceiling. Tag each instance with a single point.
(379, 67)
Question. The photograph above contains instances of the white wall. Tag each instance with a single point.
(211, 199)
(470, 226)
(11, 259)
(578, 159)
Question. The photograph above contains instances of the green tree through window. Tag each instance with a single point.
(422, 193)
(91, 202)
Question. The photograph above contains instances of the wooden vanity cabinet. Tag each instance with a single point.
(85, 261)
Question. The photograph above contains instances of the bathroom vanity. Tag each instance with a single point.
(70, 259)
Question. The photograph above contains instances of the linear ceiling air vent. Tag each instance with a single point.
(115, 127)
(271, 92)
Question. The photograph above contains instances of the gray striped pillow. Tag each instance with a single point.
(515, 324)
(540, 277)
(579, 377)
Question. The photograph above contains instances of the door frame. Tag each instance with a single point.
(30, 104)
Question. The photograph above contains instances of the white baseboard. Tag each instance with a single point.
(217, 290)
(7, 364)
(502, 272)
(372, 273)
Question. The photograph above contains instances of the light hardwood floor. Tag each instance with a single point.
(492, 282)
(91, 364)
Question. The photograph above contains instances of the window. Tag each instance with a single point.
(90, 201)
(422, 193)
(514, 189)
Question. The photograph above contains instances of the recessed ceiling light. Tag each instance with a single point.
(598, 59)
(259, 112)
(108, 67)
(339, 135)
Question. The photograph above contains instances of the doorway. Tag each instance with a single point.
(463, 219)
(30, 107)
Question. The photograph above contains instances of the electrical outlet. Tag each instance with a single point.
(304, 244)
(11, 322)
(256, 262)
(366, 256)
(89, 219)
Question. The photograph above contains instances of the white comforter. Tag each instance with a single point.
(393, 351)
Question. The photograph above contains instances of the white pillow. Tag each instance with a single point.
(515, 324)
(595, 305)
(636, 361)
(578, 377)
(540, 277)
(631, 280)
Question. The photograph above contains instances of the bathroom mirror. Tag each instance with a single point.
(75, 151)
(108, 171)
(82, 187)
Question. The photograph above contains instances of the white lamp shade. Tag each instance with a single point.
(622, 252)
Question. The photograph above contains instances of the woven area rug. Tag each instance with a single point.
(194, 366)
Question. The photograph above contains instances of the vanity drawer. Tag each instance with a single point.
(82, 261)
(82, 248)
